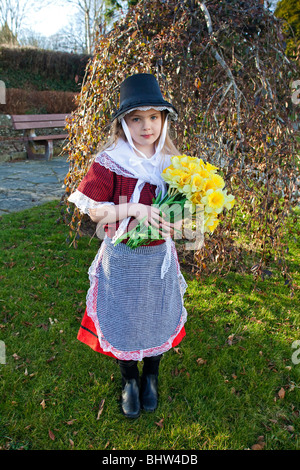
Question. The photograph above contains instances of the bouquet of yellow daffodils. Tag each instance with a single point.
(191, 182)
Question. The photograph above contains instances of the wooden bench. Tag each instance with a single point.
(29, 123)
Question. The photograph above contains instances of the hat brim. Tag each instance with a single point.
(161, 104)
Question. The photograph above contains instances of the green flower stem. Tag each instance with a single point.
(171, 205)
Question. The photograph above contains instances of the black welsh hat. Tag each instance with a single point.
(142, 90)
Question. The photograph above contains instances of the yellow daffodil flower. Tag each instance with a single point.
(214, 200)
(229, 201)
(215, 182)
(211, 168)
(212, 224)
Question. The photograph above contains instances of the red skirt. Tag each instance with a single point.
(88, 335)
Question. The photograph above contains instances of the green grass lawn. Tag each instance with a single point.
(232, 383)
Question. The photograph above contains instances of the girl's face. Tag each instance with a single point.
(145, 128)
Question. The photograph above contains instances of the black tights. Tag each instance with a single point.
(129, 369)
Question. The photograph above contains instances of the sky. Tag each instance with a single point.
(49, 20)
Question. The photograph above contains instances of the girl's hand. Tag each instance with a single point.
(171, 230)
(150, 214)
(155, 218)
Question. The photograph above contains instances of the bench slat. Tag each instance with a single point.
(38, 124)
(37, 117)
(38, 121)
(47, 137)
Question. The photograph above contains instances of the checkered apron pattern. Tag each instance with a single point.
(138, 313)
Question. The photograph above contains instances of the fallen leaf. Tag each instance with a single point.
(230, 340)
(272, 366)
(51, 435)
(177, 350)
(160, 423)
(69, 423)
(43, 404)
(281, 393)
(201, 361)
(43, 325)
(71, 442)
(11, 264)
(257, 447)
(50, 359)
(101, 406)
(290, 428)
(260, 443)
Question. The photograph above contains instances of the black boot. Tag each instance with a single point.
(149, 393)
(149, 383)
(130, 399)
(130, 389)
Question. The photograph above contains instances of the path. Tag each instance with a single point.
(28, 183)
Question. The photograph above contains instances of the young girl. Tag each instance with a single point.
(134, 309)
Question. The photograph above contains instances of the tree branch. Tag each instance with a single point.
(223, 64)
